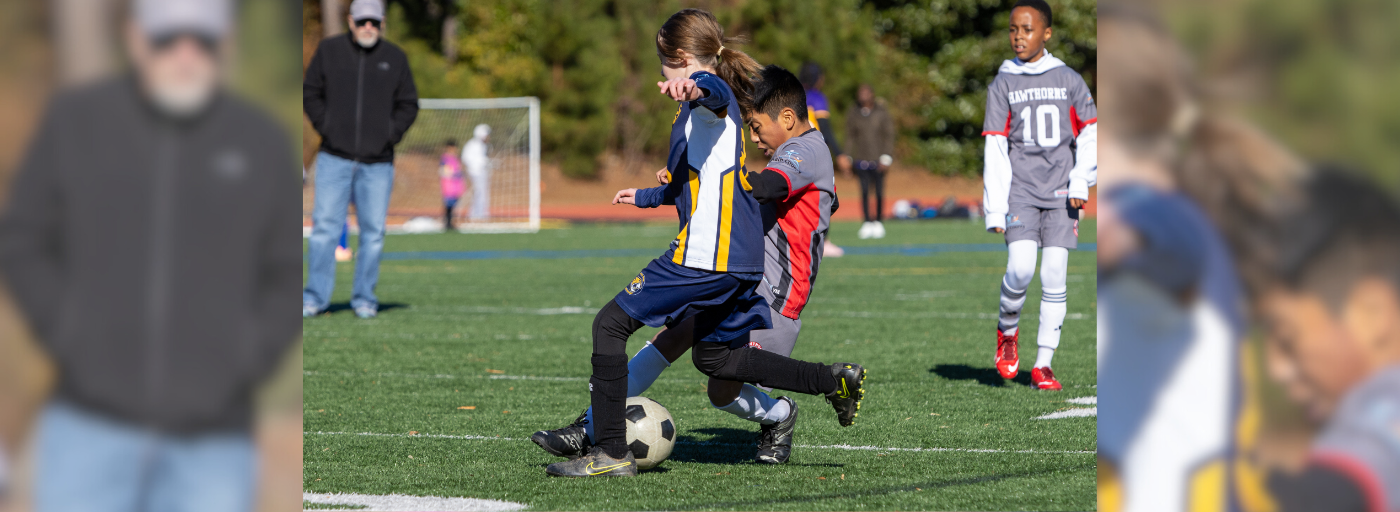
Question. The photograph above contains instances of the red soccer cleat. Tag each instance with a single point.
(1007, 360)
(1044, 378)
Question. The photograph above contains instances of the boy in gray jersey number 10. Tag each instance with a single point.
(1041, 158)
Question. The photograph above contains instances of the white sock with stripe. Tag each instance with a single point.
(1020, 268)
(1053, 269)
(755, 405)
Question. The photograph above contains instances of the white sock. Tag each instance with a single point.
(1052, 303)
(642, 371)
(755, 405)
(644, 368)
(1020, 268)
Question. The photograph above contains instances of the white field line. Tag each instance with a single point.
(313, 373)
(1078, 412)
(1084, 400)
(689, 443)
(405, 503)
(575, 310)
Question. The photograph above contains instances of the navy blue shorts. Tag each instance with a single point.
(725, 305)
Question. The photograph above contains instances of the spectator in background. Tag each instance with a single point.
(116, 247)
(359, 95)
(450, 172)
(476, 156)
(870, 133)
(813, 78)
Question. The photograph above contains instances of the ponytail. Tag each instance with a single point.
(699, 34)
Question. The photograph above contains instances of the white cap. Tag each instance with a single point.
(367, 9)
(162, 17)
(481, 131)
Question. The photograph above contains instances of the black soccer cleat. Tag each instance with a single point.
(570, 442)
(775, 441)
(595, 463)
(849, 391)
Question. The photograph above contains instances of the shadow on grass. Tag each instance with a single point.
(983, 376)
(723, 446)
(384, 307)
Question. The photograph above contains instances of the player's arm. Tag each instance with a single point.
(996, 172)
(1084, 119)
(769, 185)
(887, 141)
(1320, 487)
(704, 88)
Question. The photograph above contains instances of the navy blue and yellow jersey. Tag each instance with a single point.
(721, 228)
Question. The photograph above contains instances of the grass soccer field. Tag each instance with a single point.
(484, 339)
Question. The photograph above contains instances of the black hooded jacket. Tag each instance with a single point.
(361, 100)
(158, 262)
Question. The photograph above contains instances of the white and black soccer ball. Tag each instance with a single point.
(651, 433)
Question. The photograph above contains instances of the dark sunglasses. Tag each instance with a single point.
(165, 42)
(367, 21)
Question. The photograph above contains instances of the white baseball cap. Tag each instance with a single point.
(163, 17)
(367, 9)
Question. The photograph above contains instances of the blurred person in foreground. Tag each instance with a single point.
(1332, 323)
(870, 135)
(147, 242)
(359, 95)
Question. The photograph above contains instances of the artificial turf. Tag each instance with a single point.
(468, 357)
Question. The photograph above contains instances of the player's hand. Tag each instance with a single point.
(625, 196)
(663, 176)
(1076, 203)
(680, 89)
(999, 230)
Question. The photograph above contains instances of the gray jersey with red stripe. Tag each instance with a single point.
(1362, 440)
(795, 227)
(1040, 115)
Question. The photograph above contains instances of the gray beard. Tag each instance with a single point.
(182, 104)
(366, 43)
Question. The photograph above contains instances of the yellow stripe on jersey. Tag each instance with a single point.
(812, 118)
(1110, 488)
(1250, 480)
(726, 218)
(1206, 490)
(694, 184)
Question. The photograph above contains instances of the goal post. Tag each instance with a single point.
(502, 196)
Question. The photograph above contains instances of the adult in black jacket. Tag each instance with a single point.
(359, 95)
(147, 241)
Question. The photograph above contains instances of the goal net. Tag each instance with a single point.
(501, 172)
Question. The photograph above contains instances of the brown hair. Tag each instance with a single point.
(1242, 179)
(700, 35)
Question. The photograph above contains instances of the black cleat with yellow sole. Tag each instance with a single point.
(570, 441)
(849, 391)
(595, 463)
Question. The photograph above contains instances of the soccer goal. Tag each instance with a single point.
(503, 188)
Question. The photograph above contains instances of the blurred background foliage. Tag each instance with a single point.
(1323, 77)
(593, 63)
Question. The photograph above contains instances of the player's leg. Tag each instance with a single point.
(610, 456)
(333, 177)
(840, 382)
(1061, 233)
(879, 179)
(1020, 268)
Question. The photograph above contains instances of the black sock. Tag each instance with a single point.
(781, 372)
(608, 386)
(609, 394)
(448, 217)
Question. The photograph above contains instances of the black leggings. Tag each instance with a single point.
(872, 181)
(608, 386)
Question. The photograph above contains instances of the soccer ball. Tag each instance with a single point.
(651, 433)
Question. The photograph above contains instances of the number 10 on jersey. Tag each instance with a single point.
(1047, 133)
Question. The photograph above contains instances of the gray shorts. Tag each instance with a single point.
(1049, 228)
(783, 336)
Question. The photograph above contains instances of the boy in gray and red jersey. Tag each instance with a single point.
(1041, 158)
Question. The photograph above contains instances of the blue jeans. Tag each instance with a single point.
(85, 462)
(335, 178)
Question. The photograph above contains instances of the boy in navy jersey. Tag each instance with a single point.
(1041, 158)
(712, 268)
